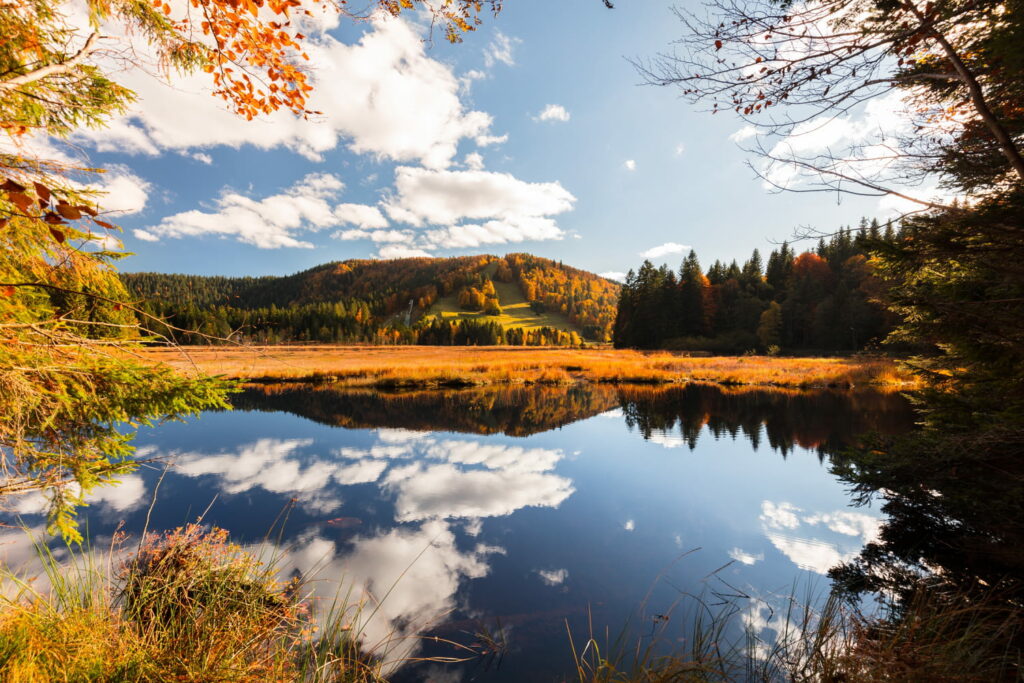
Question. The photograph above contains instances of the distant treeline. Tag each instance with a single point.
(376, 302)
(828, 299)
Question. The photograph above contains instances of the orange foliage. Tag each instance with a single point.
(811, 265)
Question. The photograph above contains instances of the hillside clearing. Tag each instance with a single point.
(515, 311)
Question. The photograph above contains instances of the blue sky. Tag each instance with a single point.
(412, 157)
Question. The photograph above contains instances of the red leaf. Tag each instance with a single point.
(42, 191)
(58, 235)
(11, 186)
(7, 291)
(21, 200)
(718, 45)
(104, 224)
(53, 219)
(70, 212)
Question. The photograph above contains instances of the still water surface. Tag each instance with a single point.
(519, 512)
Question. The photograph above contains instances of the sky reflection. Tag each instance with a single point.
(444, 531)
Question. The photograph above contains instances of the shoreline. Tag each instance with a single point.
(452, 367)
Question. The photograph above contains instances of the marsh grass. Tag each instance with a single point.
(187, 605)
(426, 366)
(937, 637)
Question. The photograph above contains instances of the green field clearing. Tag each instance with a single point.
(516, 312)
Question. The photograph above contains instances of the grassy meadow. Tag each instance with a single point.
(426, 366)
(515, 310)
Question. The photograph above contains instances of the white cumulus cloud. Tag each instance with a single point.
(501, 49)
(442, 197)
(553, 112)
(267, 223)
(616, 275)
(666, 249)
(363, 89)
(553, 577)
(360, 215)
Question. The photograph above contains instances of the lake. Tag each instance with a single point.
(504, 519)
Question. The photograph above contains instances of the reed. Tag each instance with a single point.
(973, 637)
(420, 366)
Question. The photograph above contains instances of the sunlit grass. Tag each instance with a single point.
(419, 366)
(188, 605)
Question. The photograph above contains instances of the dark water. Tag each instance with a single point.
(518, 512)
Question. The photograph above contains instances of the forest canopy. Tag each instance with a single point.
(829, 299)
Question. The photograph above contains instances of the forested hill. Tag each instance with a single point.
(517, 299)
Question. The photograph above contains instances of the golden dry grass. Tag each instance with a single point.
(421, 366)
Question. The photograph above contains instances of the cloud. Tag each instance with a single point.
(374, 235)
(107, 242)
(553, 112)
(848, 523)
(810, 553)
(502, 208)
(745, 133)
(201, 157)
(500, 50)
(666, 249)
(406, 579)
(444, 491)
(281, 466)
(668, 439)
(487, 140)
(442, 197)
(473, 479)
(779, 516)
(782, 522)
(360, 215)
(616, 275)
(630, 525)
(474, 161)
(553, 577)
(363, 89)
(401, 251)
(126, 495)
(680, 148)
(496, 456)
(629, 165)
(124, 192)
(744, 557)
(517, 229)
(267, 223)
